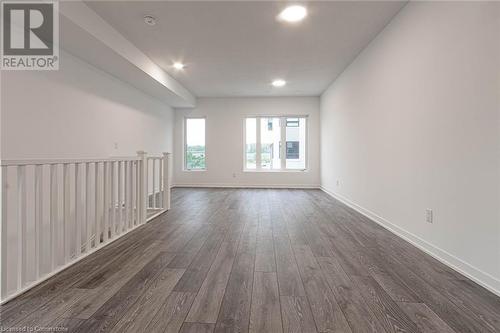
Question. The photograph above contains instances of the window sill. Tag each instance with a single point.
(275, 171)
(194, 170)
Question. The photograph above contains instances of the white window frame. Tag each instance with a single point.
(258, 166)
(184, 146)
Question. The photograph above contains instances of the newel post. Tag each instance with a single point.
(143, 186)
(166, 181)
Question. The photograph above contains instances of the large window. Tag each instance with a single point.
(194, 148)
(275, 143)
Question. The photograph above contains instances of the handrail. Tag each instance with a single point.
(18, 162)
(72, 207)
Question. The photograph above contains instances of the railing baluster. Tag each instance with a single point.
(98, 200)
(53, 214)
(21, 230)
(158, 198)
(106, 202)
(78, 212)
(161, 191)
(139, 197)
(126, 197)
(136, 195)
(143, 187)
(131, 196)
(120, 194)
(113, 200)
(4, 222)
(38, 218)
(88, 221)
(153, 204)
(145, 191)
(166, 183)
(66, 208)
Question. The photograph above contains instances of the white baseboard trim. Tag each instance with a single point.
(219, 185)
(475, 274)
(155, 215)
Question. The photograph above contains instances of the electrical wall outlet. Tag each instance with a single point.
(338, 183)
(429, 216)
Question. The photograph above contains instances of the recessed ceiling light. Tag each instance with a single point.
(179, 65)
(278, 83)
(293, 14)
(150, 20)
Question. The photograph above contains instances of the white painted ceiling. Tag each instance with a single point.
(238, 48)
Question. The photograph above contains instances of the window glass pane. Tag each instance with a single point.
(251, 142)
(292, 122)
(195, 144)
(270, 143)
(295, 149)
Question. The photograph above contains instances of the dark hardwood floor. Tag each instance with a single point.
(255, 260)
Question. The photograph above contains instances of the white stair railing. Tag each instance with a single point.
(55, 212)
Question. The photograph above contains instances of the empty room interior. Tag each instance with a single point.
(250, 166)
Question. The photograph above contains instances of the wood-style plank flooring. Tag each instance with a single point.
(257, 260)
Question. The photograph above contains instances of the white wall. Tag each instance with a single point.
(414, 123)
(225, 142)
(79, 111)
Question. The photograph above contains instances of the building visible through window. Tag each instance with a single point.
(292, 150)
